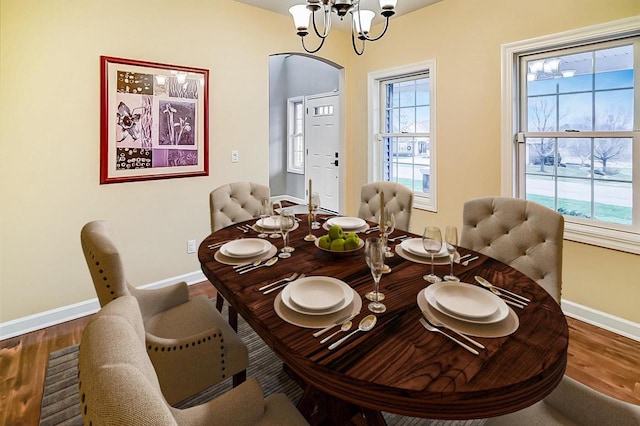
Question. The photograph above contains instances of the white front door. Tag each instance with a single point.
(322, 135)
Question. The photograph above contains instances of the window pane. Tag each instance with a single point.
(613, 202)
(407, 91)
(423, 96)
(574, 157)
(576, 73)
(614, 68)
(423, 124)
(574, 197)
(576, 112)
(541, 189)
(613, 158)
(614, 110)
(541, 154)
(409, 162)
(407, 120)
(542, 113)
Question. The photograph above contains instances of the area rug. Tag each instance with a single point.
(60, 404)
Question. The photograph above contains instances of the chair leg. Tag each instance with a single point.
(219, 303)
(239, 378)
(233, 318)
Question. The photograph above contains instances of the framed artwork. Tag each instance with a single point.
(154, 121)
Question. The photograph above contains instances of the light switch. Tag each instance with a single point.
(235, 157)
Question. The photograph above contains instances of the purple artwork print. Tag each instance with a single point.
(176, 123)
(174, 157)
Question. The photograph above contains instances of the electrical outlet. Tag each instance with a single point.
(235, 157)
(191, 246)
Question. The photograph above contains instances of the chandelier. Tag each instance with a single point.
(360, 20)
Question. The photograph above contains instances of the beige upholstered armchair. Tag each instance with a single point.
(521, 233)
(236, 202)
(189, 343)
(573, 403)
(119, 386)
(398, 199)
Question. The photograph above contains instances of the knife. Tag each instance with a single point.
(338, 322)
(283, 285)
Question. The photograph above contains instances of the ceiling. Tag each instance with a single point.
(282, 7)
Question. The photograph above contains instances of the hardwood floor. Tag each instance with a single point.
(600, 359)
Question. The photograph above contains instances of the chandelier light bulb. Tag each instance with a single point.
(362, 21)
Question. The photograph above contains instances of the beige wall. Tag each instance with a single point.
(49, 128)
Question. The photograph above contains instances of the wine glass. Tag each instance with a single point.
(432, 243)
(387, 226)
(315, 205)
(275, 209)
(265, 212)
(374, 296)
(287, 223)
(451, 242)
(374, 255)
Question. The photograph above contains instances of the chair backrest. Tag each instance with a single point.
(236, 202)
(117, 382)
(103, 260)
(521, 233)
(398, 199)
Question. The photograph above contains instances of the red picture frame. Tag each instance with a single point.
(154, 121)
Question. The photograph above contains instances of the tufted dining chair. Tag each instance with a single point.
(236, 202)
(398, 199)
(117, 383)
(573, 403)
(520, 233)
(189, 343)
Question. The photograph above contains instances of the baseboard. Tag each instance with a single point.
(601, 319)
(70, 312)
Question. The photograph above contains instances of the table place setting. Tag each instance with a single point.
(245, 252)
(316, 302)
(413, 250)
(467, 309)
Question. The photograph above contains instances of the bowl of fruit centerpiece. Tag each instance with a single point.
(338, 242)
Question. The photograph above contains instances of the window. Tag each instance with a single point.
(295, 135)
(402, 112)
(575, 139)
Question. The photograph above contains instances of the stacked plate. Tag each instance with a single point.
(413, 249)
(348, 224)
(244, 250)
(316, 301)
(271, 224)
(469, 309)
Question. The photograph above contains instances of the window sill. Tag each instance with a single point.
(614, 239)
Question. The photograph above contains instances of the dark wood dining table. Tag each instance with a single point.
(398, 366)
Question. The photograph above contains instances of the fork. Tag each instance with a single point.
(288, 279)
(372, 229)
(429, 327)
(282, 285)
(437, 323)
(401, 237)
(243, 228)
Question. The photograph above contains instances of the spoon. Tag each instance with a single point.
(267, 263)
(366, 324)
(487, 284)
(345, 327)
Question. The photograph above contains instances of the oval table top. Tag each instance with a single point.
(399, 366)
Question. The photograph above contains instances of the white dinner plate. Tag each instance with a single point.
(316, 321)
(347, 223)
(364, 228)
(415, 247)
(465, 300)
(500, 313)
(497, 329)
(245, 247)
(269, 222)
(406, 254)
(315, 282)
(233, 261)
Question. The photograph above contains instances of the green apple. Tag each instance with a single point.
(352, 242)
(337, 244)
(335, 232)
(324, 242)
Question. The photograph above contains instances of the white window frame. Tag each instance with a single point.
(618, 237)
(292, 166)
(375, 81)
